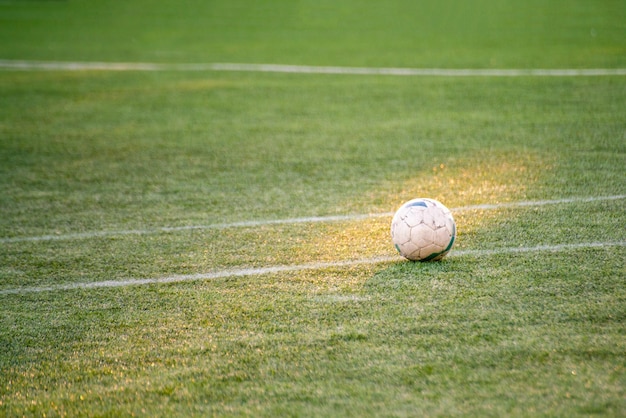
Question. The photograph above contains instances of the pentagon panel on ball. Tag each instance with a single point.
(423, 230)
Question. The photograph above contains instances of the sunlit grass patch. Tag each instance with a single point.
(479, 178)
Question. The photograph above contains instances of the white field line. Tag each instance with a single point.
(229, 273)
(25, 65)
(310, 219)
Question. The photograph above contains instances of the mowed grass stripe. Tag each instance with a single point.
(25, 65)
(229, 273)
(309, 219)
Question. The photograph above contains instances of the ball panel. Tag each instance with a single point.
(422, 237)
(401, 233)
(442, 236)
(414, 216)
(429, 251)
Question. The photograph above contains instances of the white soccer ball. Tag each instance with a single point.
(423, 230)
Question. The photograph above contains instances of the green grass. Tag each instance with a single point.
(526, 333)
(447, 33)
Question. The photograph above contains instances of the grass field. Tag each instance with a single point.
(216, 243)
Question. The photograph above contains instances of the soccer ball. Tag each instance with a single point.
(423, 230)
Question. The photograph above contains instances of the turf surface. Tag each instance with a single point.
(95, 166)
